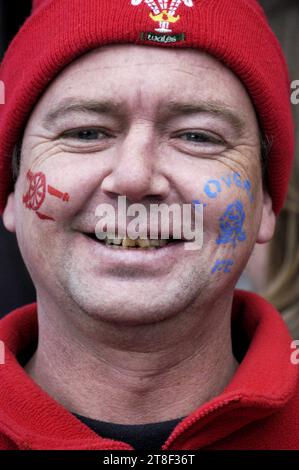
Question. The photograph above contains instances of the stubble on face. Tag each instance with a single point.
(143, 105)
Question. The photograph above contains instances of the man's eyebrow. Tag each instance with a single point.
(69, 106)
(171, 108)
(174, 108)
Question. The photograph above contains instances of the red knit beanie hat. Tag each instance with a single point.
(234, 31)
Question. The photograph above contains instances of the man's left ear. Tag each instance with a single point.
(268, 221)
(9, 214)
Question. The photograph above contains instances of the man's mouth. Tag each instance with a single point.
(139, 243)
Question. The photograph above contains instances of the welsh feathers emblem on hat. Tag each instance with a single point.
(164, 12)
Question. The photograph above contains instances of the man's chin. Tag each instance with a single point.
(127, 307)
(128, 313)
(130, 300)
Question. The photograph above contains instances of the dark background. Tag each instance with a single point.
(16, 288)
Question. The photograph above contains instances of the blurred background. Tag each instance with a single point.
(273, 269)
(16, 288)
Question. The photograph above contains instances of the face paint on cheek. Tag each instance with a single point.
(222, 266)
(230, 231)
(196, 203)
(37, 192)
(231, 225)
(247, 187)
(214, 187)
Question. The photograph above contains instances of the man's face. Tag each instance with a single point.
(157, 126)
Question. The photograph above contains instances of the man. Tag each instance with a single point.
(135, 346)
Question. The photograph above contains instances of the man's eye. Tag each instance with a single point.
(85, 134)
(200, 138)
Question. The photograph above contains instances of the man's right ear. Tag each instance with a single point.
(9, 214)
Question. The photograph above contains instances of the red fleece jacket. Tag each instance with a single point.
(259, 409)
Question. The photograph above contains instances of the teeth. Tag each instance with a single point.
(157, 243)
(128, 243)
(144, 243)
(114, 241)
(138, 243)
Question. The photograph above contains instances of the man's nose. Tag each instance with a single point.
(136, 171)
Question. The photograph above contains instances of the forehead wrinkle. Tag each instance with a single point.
(198, 66)
(122, 66)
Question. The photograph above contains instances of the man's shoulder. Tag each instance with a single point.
(280, 431)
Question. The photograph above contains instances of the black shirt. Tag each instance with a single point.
(143, 437)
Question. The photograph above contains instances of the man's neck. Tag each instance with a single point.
(134, 374)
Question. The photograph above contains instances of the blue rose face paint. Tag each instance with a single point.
(231, 225)
(231, 231)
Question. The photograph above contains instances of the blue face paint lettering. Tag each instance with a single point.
(237, 180)
(222, 265)
(247, 187)
(207, 189)
(231, 225)
(213, 187)
(227, 180)
(196, 202)
(227, 266)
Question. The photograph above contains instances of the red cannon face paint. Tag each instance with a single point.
(37, 192)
